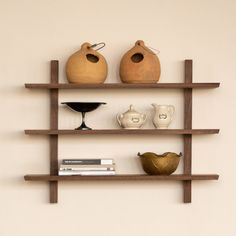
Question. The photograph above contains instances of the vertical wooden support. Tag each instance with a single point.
(188, 137)
(54, 138)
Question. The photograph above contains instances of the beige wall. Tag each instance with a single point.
(33, 33)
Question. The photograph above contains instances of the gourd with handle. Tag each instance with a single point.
(140, 65)
(86, 66)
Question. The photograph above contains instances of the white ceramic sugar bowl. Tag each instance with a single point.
(131, 119)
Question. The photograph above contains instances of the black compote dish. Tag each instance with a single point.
(83, 107)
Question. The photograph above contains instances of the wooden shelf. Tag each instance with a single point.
(121, 131)
(122, 86)
(120, 177)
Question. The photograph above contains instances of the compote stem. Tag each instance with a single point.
(83, 117)
(83, 126)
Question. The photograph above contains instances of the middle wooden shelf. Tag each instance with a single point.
(121, 131)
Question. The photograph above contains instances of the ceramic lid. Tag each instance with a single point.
(131, 112)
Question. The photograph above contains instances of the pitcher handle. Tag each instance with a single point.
(144, 116)
(172, 111)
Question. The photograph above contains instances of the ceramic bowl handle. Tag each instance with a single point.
(118, 117)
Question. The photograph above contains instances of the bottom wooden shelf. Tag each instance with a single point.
(120, 177)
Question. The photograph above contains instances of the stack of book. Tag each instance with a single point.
(86, 167)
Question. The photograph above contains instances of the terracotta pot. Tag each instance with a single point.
(140, 65)
(86, 66)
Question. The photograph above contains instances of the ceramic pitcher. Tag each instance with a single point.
(163, 115)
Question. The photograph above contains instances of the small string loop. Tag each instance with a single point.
(158, 51)
(97, 44)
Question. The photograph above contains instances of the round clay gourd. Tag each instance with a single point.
(140, 65)
(86, 66)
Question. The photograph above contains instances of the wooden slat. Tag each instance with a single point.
(188, 137)
(122, 86)
(54, 139)
(121, 177)
(122, 131)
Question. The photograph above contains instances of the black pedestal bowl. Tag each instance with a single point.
(83, 107)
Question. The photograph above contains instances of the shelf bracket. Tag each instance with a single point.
(188, 125)
(53, 185)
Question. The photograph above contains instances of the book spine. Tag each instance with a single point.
(86, 173)
(87, 161)
(88, 168)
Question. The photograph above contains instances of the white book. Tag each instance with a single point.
(86, 173)
(87, 167)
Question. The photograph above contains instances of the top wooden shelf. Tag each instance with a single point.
(123, 86)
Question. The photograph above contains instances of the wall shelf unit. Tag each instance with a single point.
(187, 177)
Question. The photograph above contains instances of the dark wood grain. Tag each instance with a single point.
(188, 137)
(123, 86)
(122, 131)
(121, 177)
(54, 138)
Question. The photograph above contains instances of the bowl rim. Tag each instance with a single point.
(83, 103)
